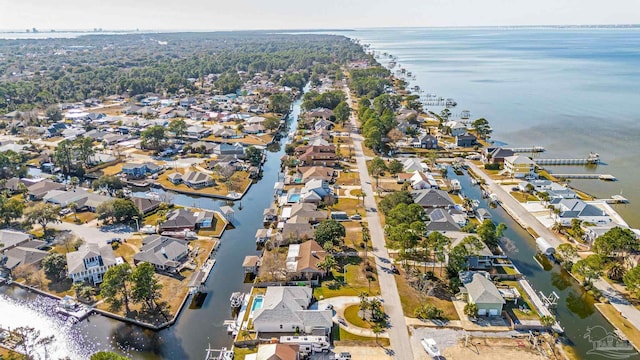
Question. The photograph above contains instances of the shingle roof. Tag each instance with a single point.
(75, 260)
(432, 198)
(161, 250)
(482, 290)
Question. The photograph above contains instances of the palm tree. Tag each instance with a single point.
(377, 330)
(557, 227)
(616, 271)
(327, 264)
(74, 207)
(364, 303)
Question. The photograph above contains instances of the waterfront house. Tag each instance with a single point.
(432, 198)
(84, 200)
(196, 179)
(496, 155)
(317, 155)
(285, 310)
(10, 239)
(456, 128)
(179, 220)
(307, 173)
(554, 190)
(307, 211)
(466, 140)
(569, 209)
(235, 149)
(262, 235)
(519, 166)
(136, 171)
(323, 124)
(41, 188)
(276, 352)
(421, 180)
(319, 187)
(414, 164)
(29, 253)
(303, 259)
(163, 252)
(145, 205)
(481, 291)
(293, 232)
(90, 262)
(441, 220)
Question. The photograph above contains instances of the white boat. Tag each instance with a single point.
(430, 347)
(236, 299)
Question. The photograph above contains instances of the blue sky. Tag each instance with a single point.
(305, 14)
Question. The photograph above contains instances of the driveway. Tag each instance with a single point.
(92, 234)
(398, 334)
(340, 303)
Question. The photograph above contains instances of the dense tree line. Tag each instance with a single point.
(48, 71)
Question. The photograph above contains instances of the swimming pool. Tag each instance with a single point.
(294, 198)
(257, 303)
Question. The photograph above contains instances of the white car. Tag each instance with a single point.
(430, 347)
(343, 356)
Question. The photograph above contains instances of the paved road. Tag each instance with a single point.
(514, 208)
(398, 334)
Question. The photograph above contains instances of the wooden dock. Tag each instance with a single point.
(532, 149)
(592, 159)
(603, 177)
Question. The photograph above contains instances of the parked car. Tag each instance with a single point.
(343, 356)
(113, 240)
(329, 307)
(394, 269)
(64, 212)
(356, 217)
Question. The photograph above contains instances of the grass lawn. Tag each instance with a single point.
(356, 283)
(83, 217)
(351, 315)
(345, 337)
(350, 206)
(532, 314)
(240, 353)
(348, 178)
(152, 219)
(204, 248)
(354, 235)
(113, 169)
(127, 251)
(241, 181)
(630, 331)
(523, 197)
(411, 299)
(217, 230)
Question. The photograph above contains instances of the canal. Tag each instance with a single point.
(196, 328)
(575, 310)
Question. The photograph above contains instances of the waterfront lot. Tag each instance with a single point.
(240, 180)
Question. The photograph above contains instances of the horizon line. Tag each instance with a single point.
(103, 30)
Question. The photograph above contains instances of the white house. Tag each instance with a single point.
(90, 262)
(457, 128)
(569, 209)
(421, 180)
(413, 164)
(520, 166)
(285, 309)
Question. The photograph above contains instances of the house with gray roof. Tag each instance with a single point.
(138, 170)
(163, 252)
(285, 310)
(569, 209)
(197, 179)
(432, 198)
(10, 239)
(90, 262)
(28, 253)
(482, 292)
(39, 189)
(441, 220)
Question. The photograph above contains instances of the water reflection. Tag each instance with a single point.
(560, 280)
(580, 303)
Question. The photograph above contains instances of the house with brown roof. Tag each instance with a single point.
(294, 232)
(303, 260)
(317, 155)
(306, 173)
(38, 190)
(145, 205)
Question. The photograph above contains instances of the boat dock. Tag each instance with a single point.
(198, 279)
(603, 177)
(531, 149)
(538, 304)
(592, 159)
(617, 199)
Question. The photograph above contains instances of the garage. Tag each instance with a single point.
(482, 312)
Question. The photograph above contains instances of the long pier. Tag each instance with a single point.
(593, 158)
(603, 177)
(531, 149)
